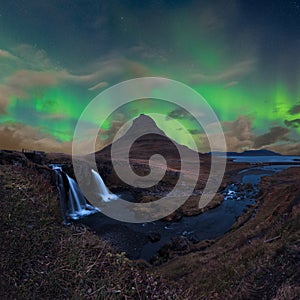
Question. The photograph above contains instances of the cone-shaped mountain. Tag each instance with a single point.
(146, 145)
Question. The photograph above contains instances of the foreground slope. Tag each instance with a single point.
(259, 258)
(42, 259)
(39, 258)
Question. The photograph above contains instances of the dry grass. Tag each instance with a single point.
(259, 260)
(41, 259)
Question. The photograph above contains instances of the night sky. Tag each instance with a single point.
(241, 56)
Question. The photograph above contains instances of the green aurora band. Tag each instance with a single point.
(56, 109)
(191, 41)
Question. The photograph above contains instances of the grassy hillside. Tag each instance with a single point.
(41, 259)
(259, 258)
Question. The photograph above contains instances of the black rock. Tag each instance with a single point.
(154, 237)
(179, 243)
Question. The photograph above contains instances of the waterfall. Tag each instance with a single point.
(78, 205)
(72, 202)
(102, 190)
(62, 193)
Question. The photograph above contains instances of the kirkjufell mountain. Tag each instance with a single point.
(146, 145)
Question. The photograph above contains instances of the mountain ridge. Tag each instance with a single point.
(260, 152)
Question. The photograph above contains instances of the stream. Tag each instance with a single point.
(146, 239)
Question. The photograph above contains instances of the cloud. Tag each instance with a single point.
(286, 149)
(239, 137)
(194, 131)
(25, 69)
(7, 55)
(274, 135)
(294, 110)
(32, 68)
(22, 69)
(231, 74)
(99, 86)
(240, 128)
(238, 134)
(17, 136)
(147, 52)
(107, 70)
(32, 58)
(230, 84)
(19, 84)
(179, 114)
(108, 135)
(292, 123)
(26, 79)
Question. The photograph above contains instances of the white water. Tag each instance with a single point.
(73, 202)
(56, 167)
(78, 207)
(102, 190)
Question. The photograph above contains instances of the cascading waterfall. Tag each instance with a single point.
(62, 193)
(102, 190)
(72, 201)
(78, 205)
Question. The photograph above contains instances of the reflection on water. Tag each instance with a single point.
(266, 159)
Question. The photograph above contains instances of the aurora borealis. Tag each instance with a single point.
(241, 56)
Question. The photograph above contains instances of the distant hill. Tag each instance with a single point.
(262, 152)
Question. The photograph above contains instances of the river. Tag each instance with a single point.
(134, 238)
